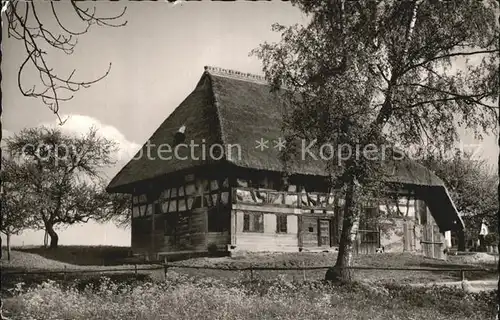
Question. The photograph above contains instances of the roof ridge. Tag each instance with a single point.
(235, 74)
(216, 104)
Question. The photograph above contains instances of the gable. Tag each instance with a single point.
(198, 114)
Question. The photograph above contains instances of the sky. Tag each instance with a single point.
(157, 60)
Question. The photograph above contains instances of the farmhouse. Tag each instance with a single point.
(211, 178)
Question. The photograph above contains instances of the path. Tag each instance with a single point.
(470, 286)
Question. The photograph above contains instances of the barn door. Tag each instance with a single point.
(432, 242)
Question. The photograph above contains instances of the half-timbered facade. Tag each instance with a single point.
(201, 183)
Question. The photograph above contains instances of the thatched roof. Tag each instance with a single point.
(232, 108)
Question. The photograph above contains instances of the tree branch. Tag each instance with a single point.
(33, 38)
(449, 55)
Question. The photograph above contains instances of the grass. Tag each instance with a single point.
(34, 269)
(62, 257)
(395, 260)
(185, 297)
(84, 255)
(222, 294)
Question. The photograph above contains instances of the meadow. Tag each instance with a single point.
(188, 297)
(222, 294)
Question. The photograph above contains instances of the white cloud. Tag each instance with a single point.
(80, 124)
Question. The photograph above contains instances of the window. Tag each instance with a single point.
(281, 223)
(253, 222)
(140, 207)
(246, 222)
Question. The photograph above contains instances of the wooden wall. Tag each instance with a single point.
(268, 240)
(141, 239)
(188, 234)
(191, 214)
(196, 195)
(311, 230)
(413, 232)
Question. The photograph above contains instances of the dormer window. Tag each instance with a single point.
(180, 135)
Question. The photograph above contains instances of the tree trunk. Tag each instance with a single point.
(338, 273)
(54, 238)
(8, 246)
(45, 239)
(340, 221)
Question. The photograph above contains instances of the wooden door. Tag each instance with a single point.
(324, 233)
(367, 241)
(309, 234)
(432, 242)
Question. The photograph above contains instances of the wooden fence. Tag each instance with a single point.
(166, 266)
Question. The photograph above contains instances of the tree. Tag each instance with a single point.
(15, 217)
(472, 186)
(121, 212)
(41, 27)
(379, 72)
(62, 176)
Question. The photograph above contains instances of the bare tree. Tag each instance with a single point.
(62, 178)
(39, 25)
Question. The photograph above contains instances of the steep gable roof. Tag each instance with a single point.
(232, 108)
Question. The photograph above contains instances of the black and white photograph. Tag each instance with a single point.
(248, 160)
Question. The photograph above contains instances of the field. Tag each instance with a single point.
(183, 297)
(83, 255)
(222, 294)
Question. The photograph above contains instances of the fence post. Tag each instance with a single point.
(462, 275)
(64, 273)
(303, 270)
(251, 274)
(135, 270)
(165, 267)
